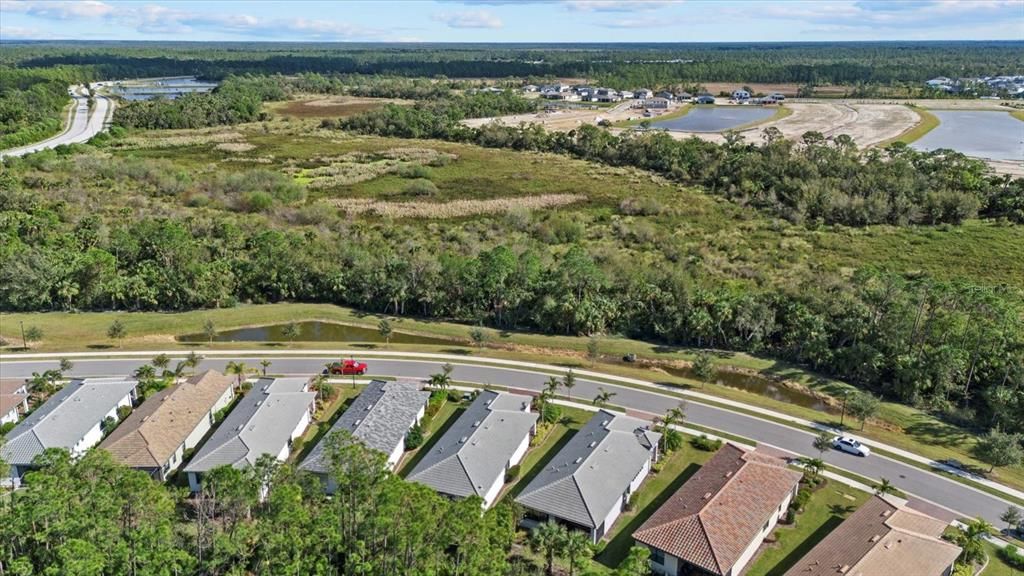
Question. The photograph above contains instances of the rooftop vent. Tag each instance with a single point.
(463, 439)
(578, 460)
(475, 424)
(358, 422)
(886, 513)
(875, 538)
(707, 495)
(592, 444)
(728, 474)
(844, 568)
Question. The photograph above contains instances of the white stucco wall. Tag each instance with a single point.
(303, 424)
(225, 399)
(193, 481)
(520, 452)
(613, 514)
(494, 490)
(756, 542)
(11, 416)
(640, 476)
(194, 437)
(396, 454)
(669, 568)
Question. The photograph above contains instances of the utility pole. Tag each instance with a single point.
(24, 343)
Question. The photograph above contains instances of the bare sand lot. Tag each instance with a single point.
(564, 120)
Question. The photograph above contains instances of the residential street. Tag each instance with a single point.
(925, 485)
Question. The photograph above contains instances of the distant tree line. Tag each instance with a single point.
(33, 102)
(620, 66)
(811, 180)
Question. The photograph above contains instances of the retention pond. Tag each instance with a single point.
(993, 135)
(314, 331)
(715, 118)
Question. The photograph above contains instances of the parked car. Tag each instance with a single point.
(347, 367)
(847, 444)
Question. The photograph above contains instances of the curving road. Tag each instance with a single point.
(927, 486)
(83, 126)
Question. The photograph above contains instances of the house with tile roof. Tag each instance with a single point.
(71, 419)
(155, 437)
(716, 521)
(13, 400)
(472, 456)
(379, 417)
(589, 482)
(265, 421)
(882, 537)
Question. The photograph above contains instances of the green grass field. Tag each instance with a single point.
(926, 123)
(824, 512)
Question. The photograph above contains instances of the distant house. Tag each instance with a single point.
(155, 437)
(266, 421)
(939, 81)
(553, 95)
(705, 99)
(642, 94)
(882, 537)
(654, 103)
(777, 96)
(684, 97)
(665, 94)
(13, 400)
(606, 95)
(740, 95)
(380, 417)
(473, 455)
(588, 483)
(716, 521)
(530, 88)
(71, 419)
(626, 95)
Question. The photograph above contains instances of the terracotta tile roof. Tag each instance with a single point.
(11, 394)
(155, 430)
(715, 515)
(882, 537)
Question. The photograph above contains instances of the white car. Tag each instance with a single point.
(847, 444)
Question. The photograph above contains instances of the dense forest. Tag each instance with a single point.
(91, 516)
(815, 180)
(32, 103)
(239, 98)
(626, 65)
(953, 347)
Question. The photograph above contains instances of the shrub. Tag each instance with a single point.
(421, 187)
(551, 413)
(414, 438)
(706, 444)
(640, 207)
(512, 474)
(7, 427)
(1012, 556)
(454, 396)
(258, 201)
(123, 412)
(413, 171)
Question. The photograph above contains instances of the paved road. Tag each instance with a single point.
(931, 487)
(83, 125)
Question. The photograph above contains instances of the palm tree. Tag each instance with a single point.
(66, 365)
(884, 487)
(972, 539)
(443, 379)
(578, 549)
(161, 361)
(145, 372)
(238, 369)
(291, 331)
(552, 385)
(177, 372)
(192, 360)
(548, 539)
(823, 442)
(813, 465)
(569, 381)
(603, 397)
(264, 364)
(385, 330)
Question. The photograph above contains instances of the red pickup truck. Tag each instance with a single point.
(347, 367)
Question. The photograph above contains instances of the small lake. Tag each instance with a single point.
(169, 88)
(715, 118)
(314, 332)
(758, 385)
(993, 135)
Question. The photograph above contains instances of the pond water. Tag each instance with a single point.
(169, 88)
(759, 385)
(715, 118)
(984, 134)
(314, 332)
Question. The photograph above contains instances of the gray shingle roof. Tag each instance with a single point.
(472, 454)
(379, 417)
(261, 423)
(588, 477)
(65, 418)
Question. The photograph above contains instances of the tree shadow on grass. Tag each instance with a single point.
(429, 444)
(459, 351)
(100, 346)
(805, 546)
(553, 451)
(937, 433)
(618, 547)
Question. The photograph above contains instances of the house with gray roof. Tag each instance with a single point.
(155, 437)
(589, 482)
(472, 456)
(71, 419)
(380, 417)
(265, 421)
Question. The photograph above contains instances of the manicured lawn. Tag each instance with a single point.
(926, 124)
(655, 491)
(434, 429)
(554, 440)
(325, 419)
(824, 512)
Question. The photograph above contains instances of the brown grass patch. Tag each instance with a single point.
(455, 208)
(335, 107)
(235, 146)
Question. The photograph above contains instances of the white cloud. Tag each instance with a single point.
(21, 33)
(469, 19)
(59, 10)
(618, 5)
(851, 14)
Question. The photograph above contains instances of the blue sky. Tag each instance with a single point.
(514, 20)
